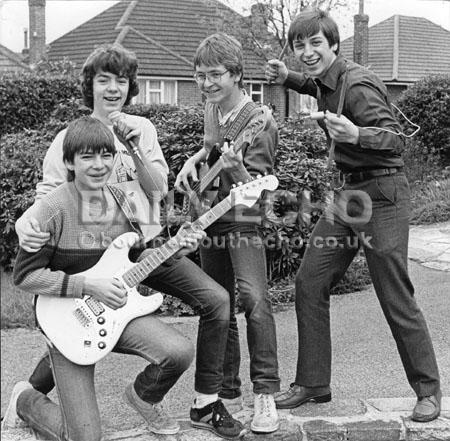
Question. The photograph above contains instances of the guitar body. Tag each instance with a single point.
(85, 330)
(202, 194)
(195, 204)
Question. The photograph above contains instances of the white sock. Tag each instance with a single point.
(203, 400)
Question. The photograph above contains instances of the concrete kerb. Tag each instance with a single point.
(386, 419)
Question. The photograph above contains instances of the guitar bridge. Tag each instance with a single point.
(82, 317)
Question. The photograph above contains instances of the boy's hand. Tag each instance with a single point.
(188, 242)
(189, 171)
(276, 72)
(31, 238)
(126, 128)
(230, 159)
(341, 129)
(110, 292)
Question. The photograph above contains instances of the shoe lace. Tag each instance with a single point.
(160, 411)
(264, 404)
(221, 416)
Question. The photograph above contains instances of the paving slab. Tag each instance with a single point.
(385, 419)
(430, 245)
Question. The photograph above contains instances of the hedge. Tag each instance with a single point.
(29, 98)
(299, 166)
(180, 135)
(427, 103)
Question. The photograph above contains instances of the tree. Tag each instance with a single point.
(264, 31)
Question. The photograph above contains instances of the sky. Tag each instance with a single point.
(63, 16)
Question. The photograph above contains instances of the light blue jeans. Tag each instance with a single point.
(77, 418)
(240, 260)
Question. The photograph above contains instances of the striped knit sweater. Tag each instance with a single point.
(79, 234)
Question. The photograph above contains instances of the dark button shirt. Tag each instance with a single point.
(366, 105)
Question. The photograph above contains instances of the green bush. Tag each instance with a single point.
(21, 155)
(427, 103)
(29, 98)
(430, 201)
(422, 162)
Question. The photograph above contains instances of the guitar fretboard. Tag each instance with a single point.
(141, 270)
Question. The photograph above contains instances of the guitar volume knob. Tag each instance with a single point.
(102, 345)
(101, 320)
(102, 332)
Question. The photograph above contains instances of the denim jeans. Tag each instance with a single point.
(77, 416)
(183, 279)
(334, 243)
(240, 259)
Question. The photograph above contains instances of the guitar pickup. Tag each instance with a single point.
(95, 306)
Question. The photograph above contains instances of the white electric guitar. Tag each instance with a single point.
(85, 330)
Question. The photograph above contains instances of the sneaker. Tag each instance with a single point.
(265, 419)
(11, 420)
(158, 420)
(216, 418)
(233, 405)
(427, 408)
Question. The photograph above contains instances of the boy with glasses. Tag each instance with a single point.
(236, 254)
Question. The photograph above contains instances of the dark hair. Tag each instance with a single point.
(310, 22)
(112, 58)
(223, 49)
(86, 134)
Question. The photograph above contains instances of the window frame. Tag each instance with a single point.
(161, 90)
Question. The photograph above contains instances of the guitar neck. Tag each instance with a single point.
(141, 270)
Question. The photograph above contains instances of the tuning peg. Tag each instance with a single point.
(258, 176)
(239, 183)
(233, 185)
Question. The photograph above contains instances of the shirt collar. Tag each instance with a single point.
(231, 115)
(333, 74)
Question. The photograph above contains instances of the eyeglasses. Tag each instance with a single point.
(213, 77)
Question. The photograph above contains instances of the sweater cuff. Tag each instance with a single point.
(75, 286)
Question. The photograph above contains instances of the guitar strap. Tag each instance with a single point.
(123, 203)
(240, 121)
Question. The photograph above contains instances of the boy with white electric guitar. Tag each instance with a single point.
(80, 216)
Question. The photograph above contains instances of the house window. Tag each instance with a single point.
(256, 92)
(157, 92)
(306, 104)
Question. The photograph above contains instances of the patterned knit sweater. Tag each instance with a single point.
(79, 234)
(258, 158)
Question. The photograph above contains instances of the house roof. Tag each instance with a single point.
(164, 34)
(9, 60)
(404, 49)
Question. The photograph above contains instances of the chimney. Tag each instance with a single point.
(258, 18)
(37, 30)
(361, 37)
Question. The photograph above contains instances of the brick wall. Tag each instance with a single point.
(188, 93)
(276, 96)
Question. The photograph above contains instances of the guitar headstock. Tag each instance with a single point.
(247, 194)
